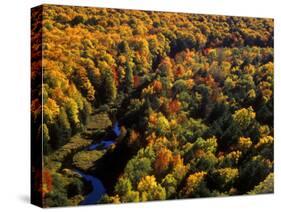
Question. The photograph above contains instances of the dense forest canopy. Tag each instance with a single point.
(193, 95)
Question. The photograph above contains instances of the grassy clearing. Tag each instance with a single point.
(99, 121)
(84, 160)
(75, 143)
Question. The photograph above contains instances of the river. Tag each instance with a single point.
(98, 189)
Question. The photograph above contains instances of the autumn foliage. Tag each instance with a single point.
(193, 95)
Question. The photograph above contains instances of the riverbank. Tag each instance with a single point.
(86, 159)
(77, 156)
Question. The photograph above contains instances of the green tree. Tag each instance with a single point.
(253, 172)
(264, 187)
(170, 185)
(44, 131)
(224, 178)
(72, 111)
(162, 125)
(129, 76)
(123, 186)
(136, 168)
(124, 189)
(79, 19)
(244, 117)
(64, 126)
(110, 88)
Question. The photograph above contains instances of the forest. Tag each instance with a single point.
(144, 105)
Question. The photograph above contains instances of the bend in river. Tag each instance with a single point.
(98, 189)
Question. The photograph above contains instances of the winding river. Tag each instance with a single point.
(98, 189)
